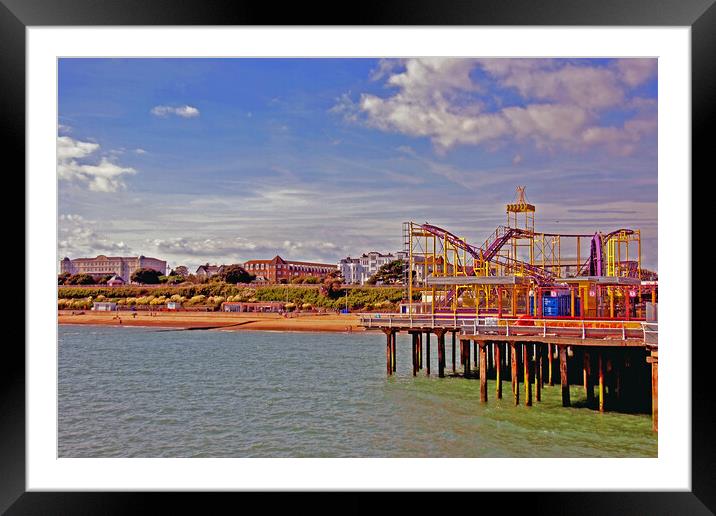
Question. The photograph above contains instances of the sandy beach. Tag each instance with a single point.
(217, 320)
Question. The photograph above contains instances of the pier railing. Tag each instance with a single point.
(582, 329)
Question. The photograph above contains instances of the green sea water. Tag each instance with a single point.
(147, 392)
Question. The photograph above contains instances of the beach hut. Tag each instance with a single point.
(173, 305)
(104, 306)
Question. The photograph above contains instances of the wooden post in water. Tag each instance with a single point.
(441, 353)
(538, 371)
(550, 359)
(587, 374)
(466, 361)
(393, 349)
(653, 359)
(427, 354)
(601, 382)
(416, 338)
(483, 371)
(514, 373)
(474, 345)
(420, 350)
(528, 383)
(498, 367)
(453, 351)
(389, 352)
(564, 380)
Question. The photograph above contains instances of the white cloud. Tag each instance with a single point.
(140, 151)
(184, 111)
(104, 176)
(78, 237)
(438, 99)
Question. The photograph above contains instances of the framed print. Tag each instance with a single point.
(267, 236)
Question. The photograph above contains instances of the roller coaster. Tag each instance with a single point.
(520, 272)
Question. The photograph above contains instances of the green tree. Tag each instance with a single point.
(236, 274)
(80, 279)
(389, 274)
(146, 276)
(62, 278)
(332, 284)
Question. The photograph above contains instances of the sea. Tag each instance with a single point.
(154, 392)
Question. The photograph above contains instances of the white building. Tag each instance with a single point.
(359, 270)
(351, 270)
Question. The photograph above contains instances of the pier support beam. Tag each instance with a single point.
(527, 381)
(587, 374)
(466, 356)
(498, 369)
(538, 372)
(393, 349)
(441, 353)
(474, 345)
(514, 373)
(390, 335)
(453, 351)
(550, 360)
(601, 382)
(427, 354)
(483, 371)
(653, 359)
(415, 340)
(564, 380)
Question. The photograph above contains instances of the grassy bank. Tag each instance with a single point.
(213, 294)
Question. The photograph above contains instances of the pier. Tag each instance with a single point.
(609, 358)
(551, 309)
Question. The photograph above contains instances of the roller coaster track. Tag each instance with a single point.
(584, 269)
(490, 254)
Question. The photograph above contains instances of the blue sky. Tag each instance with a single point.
(224, 160)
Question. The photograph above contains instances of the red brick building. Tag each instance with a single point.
(278, 269)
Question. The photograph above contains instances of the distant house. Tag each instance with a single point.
(207, 271)
(115, 281)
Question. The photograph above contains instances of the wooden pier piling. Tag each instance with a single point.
(441, 353)
(601, 382)
(653, 359)
(389, 352)
(427, 354)
(415, 340)
(514, 373)
(393, 350)
(498, 367)
(538, 372)
(483, 371)
(550, 360)
(453, 351)
(587, 376)
(474, 345)
(420, 350)
(527, 380)
(564, 380)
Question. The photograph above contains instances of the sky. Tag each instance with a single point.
(226, 160)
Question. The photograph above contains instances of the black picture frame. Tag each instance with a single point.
(700, 15)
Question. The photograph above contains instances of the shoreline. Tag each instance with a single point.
(337, 323)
